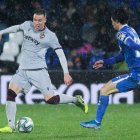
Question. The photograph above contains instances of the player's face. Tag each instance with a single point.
(39, 22)
(115, 24)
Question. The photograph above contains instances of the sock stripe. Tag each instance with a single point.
(11, 95)
(54, 100)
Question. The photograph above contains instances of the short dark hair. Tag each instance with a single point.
(40, 12)
(120, 15)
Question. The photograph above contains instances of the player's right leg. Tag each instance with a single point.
(16, 85)
(10, 109)
(122, 83)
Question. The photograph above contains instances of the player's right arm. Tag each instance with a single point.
(14, 29)
(11, 29)
(98, 64)
(109, 61)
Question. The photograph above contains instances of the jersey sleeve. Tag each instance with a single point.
(24, 25)
(135, 45)
(122, 37)
(115, 59)
(128, 41)
(54, 43)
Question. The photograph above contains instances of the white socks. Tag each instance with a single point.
(11, 113)
(67, 99)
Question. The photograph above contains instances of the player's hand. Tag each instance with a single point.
(98, 64)
(67, 79)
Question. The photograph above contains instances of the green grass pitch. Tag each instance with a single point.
(61, 122)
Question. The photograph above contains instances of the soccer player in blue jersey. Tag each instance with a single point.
(129, 44)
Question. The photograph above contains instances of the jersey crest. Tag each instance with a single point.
(42, 35)
(121, 36)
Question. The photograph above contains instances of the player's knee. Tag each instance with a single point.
(11, 95)
(103, 91)
(54, 100)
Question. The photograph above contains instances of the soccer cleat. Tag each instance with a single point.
(91, 124)
(81, 103)
(6, 129)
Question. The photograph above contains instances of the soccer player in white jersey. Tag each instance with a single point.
(33, 69)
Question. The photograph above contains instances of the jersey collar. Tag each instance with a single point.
(123, 26)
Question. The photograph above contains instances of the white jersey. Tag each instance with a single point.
(35, 45)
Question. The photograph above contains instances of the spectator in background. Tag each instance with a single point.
(74, 60)
(5, 37)
(17, 13)
(89, 28)
(3, 10)
(116, 3)
(74, 22)
(47, 4)
(102, 39)
(35, 4)
(71, 9)
(68, 33)
(3, 23)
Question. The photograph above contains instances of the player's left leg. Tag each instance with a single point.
(102, 105)
(51, 98)
(81, 103)
(122, 84)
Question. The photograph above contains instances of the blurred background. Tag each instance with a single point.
(83, 28)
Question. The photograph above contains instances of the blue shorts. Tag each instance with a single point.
(127, 82)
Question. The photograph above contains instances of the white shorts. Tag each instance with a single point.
(38, 78)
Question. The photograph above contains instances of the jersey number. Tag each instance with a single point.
(137, 52)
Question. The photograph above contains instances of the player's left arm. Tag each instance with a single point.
(63, 62)
(62, 59)
(58, 49)
(132, 44)
(115, 59)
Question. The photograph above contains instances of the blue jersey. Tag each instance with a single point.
(129, 44)
(130, 54)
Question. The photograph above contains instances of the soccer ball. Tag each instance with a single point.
(25, 125)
